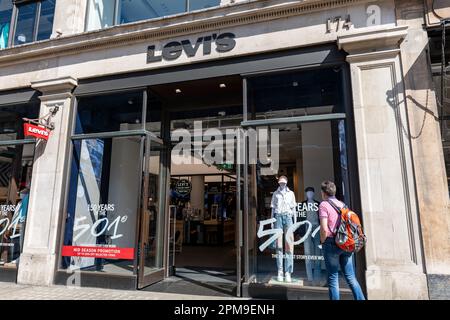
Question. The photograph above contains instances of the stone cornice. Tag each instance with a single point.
(187, 23)
(55, 86)
(376, 38)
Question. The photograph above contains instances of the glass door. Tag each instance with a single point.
(151, 244)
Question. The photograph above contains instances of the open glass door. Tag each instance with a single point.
(151, 244)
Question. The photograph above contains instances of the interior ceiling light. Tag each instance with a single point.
(177, 90)
(222, 85)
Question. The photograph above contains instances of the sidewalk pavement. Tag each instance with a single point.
(27, 292)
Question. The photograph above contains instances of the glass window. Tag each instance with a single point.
(112, 112)
(16, 163)
(5, 22)
(26, 19)
(47, 13)
(287, 237)
(100, 14)
(307, 154)
(202, 4)
(11, 123)
(103, 205)
(135, 10)
(295, 94)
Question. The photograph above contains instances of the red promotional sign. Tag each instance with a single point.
(98, 252)
(35, 131)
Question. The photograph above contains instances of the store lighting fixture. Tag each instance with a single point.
(222, 85)
(177, 90)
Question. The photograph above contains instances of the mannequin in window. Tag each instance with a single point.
(312, 250)
(283, 209)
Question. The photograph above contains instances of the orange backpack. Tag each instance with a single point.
(349, 235)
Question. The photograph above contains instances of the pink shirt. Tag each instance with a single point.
(326, 211)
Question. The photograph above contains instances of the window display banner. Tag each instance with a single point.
(35, 131)
(98, 252)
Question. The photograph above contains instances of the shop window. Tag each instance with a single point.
(296, 94)
(112, 112)
(6, 8)
(15, 179)
(104, 13)
(307, 154)
(103, 202)
(34, 21)
(16, 162)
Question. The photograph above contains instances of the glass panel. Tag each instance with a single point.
(136, 10)
(202, 4)
(103, 203)
(153, 218)
(5, 22)
(45, 27)
(11, 123)
(307, 154)
(16, 163)
(113, 112)
(154, 114)
(297, 93)
(444, 113)
(100, 14)
(25, 23)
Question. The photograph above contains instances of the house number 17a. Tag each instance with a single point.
(337, 23)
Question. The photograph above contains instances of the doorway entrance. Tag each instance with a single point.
(202, 210)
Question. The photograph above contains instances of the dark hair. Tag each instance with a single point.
(309, 189)
(329, 188)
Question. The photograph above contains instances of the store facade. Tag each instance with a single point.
(312, 90)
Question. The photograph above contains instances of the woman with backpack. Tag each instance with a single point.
(329, 214)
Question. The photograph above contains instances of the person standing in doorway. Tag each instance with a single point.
(334, 256)
(283, 209)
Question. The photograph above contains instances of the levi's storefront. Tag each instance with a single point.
(172, 171)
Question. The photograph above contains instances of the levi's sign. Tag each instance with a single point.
(35, 131)
(223, 42)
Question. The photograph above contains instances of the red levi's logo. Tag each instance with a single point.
(31, 130)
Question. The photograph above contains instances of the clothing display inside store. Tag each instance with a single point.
(207, 222)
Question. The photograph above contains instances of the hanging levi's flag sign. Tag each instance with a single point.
(32, 130)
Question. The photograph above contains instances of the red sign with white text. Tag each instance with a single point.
(35, 131)
(98, 252)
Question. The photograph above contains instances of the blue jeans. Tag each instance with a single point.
(313, 267)
(283, 222)
(335, 257)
